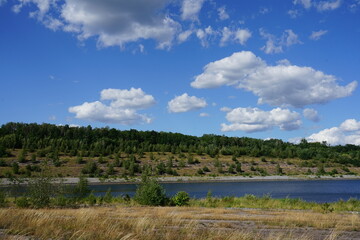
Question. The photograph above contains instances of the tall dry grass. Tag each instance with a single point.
(148, 223)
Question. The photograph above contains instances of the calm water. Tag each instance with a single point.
(314, 190)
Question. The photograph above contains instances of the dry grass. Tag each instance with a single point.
(119, 222)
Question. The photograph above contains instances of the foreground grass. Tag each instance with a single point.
(120, 222)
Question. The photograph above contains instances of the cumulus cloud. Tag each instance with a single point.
(190, 9)
(203, 114)
(316, 35)
(185, 103)
(275, 44)
(279, 85)
(223, 15)
(255, 120)
(122, 109)
(347, 133)
(311, 114)
(112, 23)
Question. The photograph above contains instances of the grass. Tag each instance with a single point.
(134, 222)
(266, 202)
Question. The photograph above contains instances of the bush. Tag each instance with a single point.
(2, 198)
(81, 189)
(108, 197)
(41, 190)
(91, 199)
(181, 198)
(22, 202)
(150, 192)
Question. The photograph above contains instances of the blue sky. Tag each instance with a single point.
(262, 68)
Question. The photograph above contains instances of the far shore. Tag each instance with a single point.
(192, 179)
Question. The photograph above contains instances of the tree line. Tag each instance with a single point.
(51, 139)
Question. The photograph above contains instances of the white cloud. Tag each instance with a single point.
(311, 114)
(185, 103)
(242, 35)
(279, 85)
(239, 35)
(190, 9)
(328, 5)
(223, 15)
(347, 133)
(225, 109)
(226, 35)
(112, 23)
(350, 125)
(2, 2)
(254, 120)
(204, 35)
(316, 35)
(294, 13)
(203, 114)
(183, 36)
(305, 3)
(121, 110)
(275, 44)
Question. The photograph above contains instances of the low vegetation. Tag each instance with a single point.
(76, 213)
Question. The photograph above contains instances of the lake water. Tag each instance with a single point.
(309, 190)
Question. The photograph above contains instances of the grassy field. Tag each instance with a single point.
(134, 222)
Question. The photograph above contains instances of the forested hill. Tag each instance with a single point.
(106, 141)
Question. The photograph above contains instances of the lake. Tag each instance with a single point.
(308, 190)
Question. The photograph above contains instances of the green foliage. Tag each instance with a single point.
(15, 168)
(181, 198)
(91, 199)
(91, 168)
(108, 196)
(81, 190)
(22, 202)
(150, 192)
(41, 190)
(3, 196)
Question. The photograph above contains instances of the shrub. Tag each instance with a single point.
(150, 192)
(181, 198)
(22, 202)
(41, 190)
(2, 198)
(91, 199)
(81, 189)
(108, 197)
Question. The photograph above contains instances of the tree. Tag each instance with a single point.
(150, 192)
(81, 189)
(181, 198)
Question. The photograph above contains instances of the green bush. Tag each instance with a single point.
(108, 197)
(181, 198)
(3, 202)
(81, 190)
(91, 199)
(150, 192)
(22, 202)
(41, 190)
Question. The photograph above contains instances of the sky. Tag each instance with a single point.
(284, 69)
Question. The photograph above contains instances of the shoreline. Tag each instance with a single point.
(193, 179)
